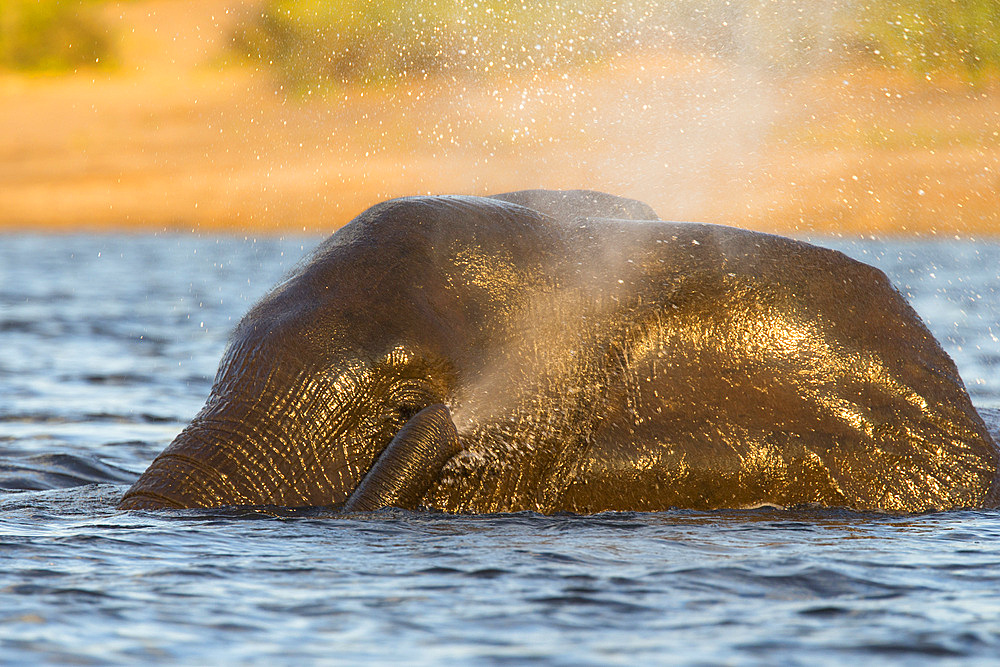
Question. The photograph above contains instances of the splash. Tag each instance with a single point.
(668, 103)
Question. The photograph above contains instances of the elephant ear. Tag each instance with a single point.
(409, 464)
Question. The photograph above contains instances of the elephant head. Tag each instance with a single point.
(332, 388)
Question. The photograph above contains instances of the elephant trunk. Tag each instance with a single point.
(191, 472)
(176, 481)
(232, 455)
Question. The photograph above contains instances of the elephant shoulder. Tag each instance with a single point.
(769, 257)
(576, 204)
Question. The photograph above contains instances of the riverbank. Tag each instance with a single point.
(180, 137)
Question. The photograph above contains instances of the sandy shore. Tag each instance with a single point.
(176, 138)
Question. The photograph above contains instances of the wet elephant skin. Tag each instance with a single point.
(569, 351)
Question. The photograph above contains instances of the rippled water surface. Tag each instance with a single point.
(108, 345)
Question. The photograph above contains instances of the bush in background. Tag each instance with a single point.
(314, 44)
(925, 35)
(317, 43)
(51, 35)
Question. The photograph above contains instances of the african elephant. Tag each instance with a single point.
(570, 351)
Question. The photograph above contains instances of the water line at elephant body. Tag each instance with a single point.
(634, 364)
(100, 373)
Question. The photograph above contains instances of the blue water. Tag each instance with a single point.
(108, 345)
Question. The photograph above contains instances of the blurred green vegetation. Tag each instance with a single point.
(52, 35)
(313, 43)
(317, 43)
(952, 35)
(377, 41)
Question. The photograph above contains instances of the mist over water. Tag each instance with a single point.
(297, 115)
(657, 103)
(791, 116)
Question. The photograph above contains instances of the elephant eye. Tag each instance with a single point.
(405, 412)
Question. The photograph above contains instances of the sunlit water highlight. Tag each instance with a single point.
(108, 345)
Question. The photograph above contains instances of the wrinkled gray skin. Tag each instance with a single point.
(591, 357)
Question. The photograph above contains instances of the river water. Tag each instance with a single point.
(108, 345)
